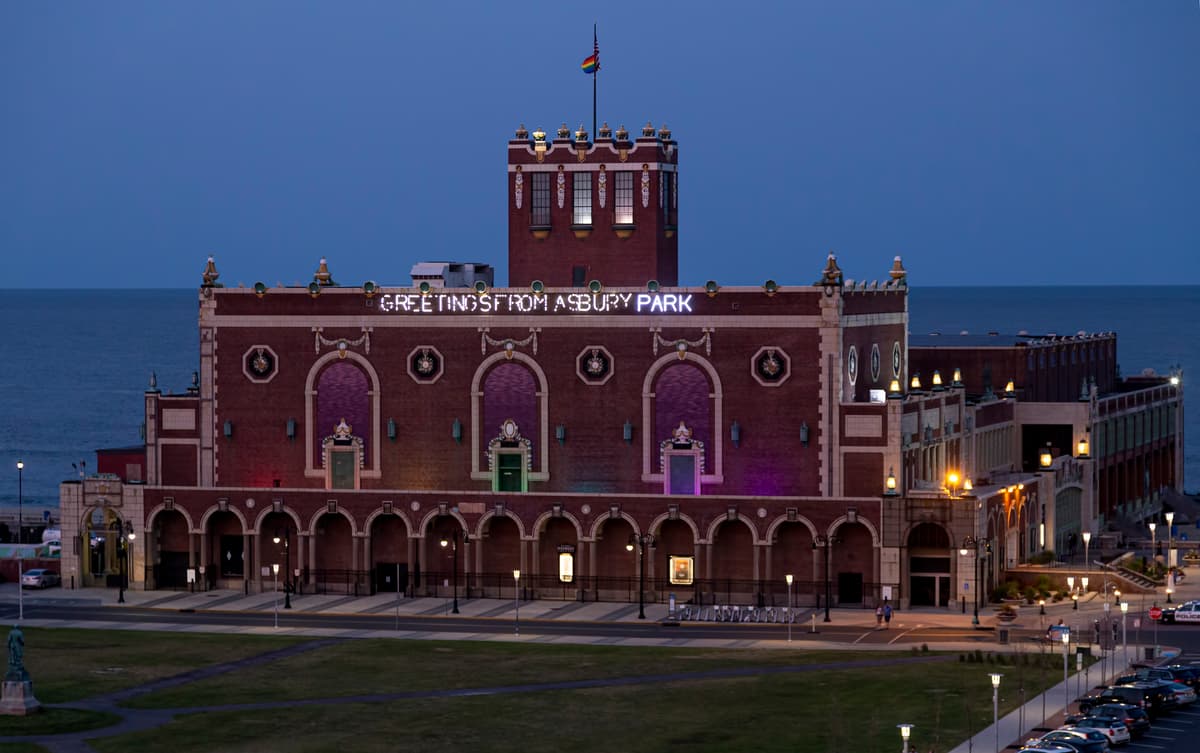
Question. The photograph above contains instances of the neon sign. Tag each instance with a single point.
(529, 303)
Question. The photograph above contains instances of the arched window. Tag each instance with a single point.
(511, 425)
(683, 426)
(343, 418)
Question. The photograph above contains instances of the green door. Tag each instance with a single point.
(510, 476)
(343, 469)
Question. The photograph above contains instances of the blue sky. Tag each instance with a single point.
(987, 142)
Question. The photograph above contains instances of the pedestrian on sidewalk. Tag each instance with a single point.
(879, 616)
(887, 615)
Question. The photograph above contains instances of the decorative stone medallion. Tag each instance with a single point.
(594, 365)
(875, 363)
(770, 366)
(852, 365)
(897, 360)
(425, 364)
(260, 364)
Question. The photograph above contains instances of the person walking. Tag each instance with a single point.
(879, 616)
(887, 615)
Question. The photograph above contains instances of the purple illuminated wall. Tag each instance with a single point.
(342, 393)
(681, 394)
(509, 391)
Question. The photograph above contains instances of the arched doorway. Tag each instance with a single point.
(558, 557)
(277, 546)
(445, 565)
(105, 545)
(500, 555)
(852, 563)
(929, 581)
(792, 553)
(676, 556)
(733, 563)
(227, 557)
(389, 553)
(333, 556)
(171, 540)
(618, 565)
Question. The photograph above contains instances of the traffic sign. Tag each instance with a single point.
(1155, 613)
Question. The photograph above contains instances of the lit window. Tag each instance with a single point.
(582, 199)
(624, 198)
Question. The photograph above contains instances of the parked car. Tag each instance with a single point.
(39, 578)
(1116, 731)
(1083, 741)
(1184, 695)
(1134, 718)
(1174, 673)
(1185, 674)
(1045, 746)
(1152, 697)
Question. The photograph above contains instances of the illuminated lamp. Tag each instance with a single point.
(1083, 446)
(957, 378)
(937, 381)
(1045, 458)
(894, 392)
(890, 485)
(914, 384)
(1010, 389)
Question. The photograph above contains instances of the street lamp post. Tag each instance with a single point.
(1071, 590)
(973, 542)
(517, 602)
(826, 542)
(788, 578)
(1170, 545)
(1066, 641)
(996, 706)
(641, 541)
(287, 564)
(1087, 540)
(275, 569)
(125, 539)
(452, 542)
(1124, 633)
(1153, 542)
(905, 731)
(20, 500)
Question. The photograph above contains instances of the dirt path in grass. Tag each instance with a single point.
(135, 720)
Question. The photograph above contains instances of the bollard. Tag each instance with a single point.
(814, 623)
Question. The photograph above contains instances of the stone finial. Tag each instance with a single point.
(521, 132)
(323, 277)
(581, 135)
(648, 130)
(832, 274)
(605, 132)
(153, 381)
(898, 273)
(539, 135)
(564, 132)
(622, 134)
(210, 273)
(664, 133)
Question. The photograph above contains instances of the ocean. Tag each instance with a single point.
(77, 362)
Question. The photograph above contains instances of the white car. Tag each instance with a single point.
(39, 578)
(1116, 732)
(1184, 695)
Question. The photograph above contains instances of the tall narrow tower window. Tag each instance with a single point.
(623, 199)
(540, 199)
(670, 211)
(582, 199)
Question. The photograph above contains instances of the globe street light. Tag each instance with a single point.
(517, 602)
(905, 731)
(1170, 576)
(1124, 633)
(275, 569)
(973, 542)
(996, 706)
(1066, 640)
(788, 578)
(287, 565)
(124, 541)
(20, 499)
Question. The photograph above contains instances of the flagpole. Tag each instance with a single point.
(596, 75)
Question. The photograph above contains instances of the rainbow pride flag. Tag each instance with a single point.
(591, 64)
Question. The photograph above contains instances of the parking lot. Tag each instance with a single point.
(1176, 731)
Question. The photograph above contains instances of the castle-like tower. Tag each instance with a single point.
(580, 210)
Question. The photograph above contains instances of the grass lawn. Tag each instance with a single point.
(68, 665)
(21, 748)
(852, 708)
(54, 721)
(845, 710)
